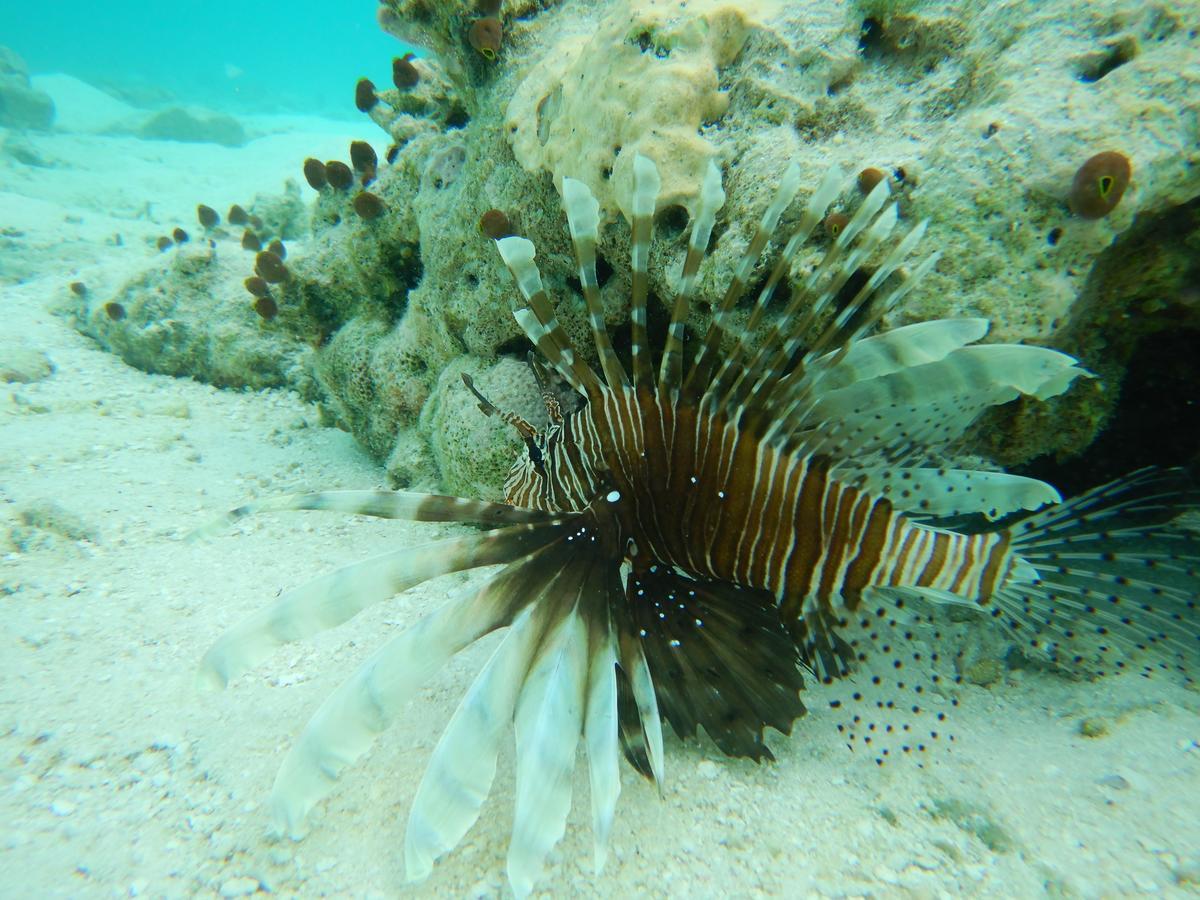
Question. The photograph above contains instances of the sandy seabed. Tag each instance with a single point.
(119, 778)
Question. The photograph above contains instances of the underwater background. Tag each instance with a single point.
(156, 369)
(252, 57)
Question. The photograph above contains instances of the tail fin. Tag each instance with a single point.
(1108, 581)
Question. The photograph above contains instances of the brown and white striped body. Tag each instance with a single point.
(693, 491)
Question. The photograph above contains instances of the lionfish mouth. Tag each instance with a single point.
(820, 533)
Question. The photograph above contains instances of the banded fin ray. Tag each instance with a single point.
(709, 202)
(539, 321)
(928, 406)
(646, 184)
(748, 356)
(760, 376)
(347, 722)
(334, 598)
(549, 722)
(583, 220)
(898, 692)
(699, 380)
(459, 775)
(951, 492)
(637, 705)
(1115, 581)
(601, 729)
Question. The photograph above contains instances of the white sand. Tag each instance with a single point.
(118, 779)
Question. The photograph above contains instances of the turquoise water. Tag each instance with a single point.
(260, 57)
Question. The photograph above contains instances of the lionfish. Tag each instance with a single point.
(698, 537)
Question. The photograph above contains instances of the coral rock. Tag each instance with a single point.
(642, 83)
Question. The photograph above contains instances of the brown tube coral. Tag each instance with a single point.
(314, 173)
(266, 307)
(485, 36)
(1099, 185)
(368, 205)
(270, 267)
(207, 217)
(495, 225)
(404, 74)
(339, 175)
(364, 95)
(364, 160)
(835, 222)
(868, 178)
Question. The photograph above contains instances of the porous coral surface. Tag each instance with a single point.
(979, 115)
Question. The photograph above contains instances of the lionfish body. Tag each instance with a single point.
(701, 533)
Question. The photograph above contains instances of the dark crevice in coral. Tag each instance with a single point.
(672, 221)
(397, 304)
(320, 317)
(1136, 326)
(753, 289)
(1096, 67)
(870, 38)
(1142, 290)
(842, 84)
(658, 317)
(1156, 420)
(715, 238)
(646, 43)
(516, 347)
(604, 271)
